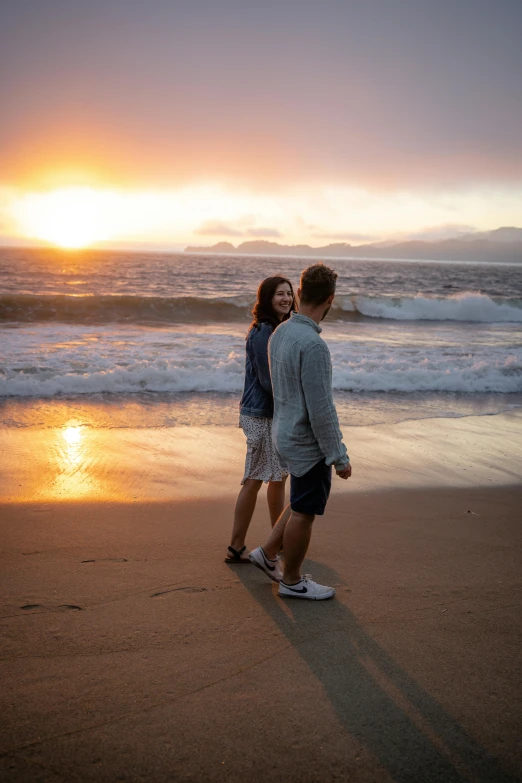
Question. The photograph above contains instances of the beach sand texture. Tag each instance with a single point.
(131, 652)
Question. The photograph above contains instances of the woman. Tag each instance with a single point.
(275, 302)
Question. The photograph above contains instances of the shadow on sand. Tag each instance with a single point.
(357, 676)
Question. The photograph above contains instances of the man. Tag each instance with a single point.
(305, 432)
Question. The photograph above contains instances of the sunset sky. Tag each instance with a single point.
(170, 122)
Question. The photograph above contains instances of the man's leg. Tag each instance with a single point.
(275, 539)
(296, 541)
(293, 530)
(308, 497)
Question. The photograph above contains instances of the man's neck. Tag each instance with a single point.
(310, 311)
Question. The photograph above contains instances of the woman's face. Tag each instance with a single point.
(282, 300)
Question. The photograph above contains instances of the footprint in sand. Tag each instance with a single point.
(107, 560)
(181, 590)
(60, 608)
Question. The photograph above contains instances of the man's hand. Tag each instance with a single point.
(345, 472)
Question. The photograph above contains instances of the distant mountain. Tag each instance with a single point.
(506, 234)
(500, 245)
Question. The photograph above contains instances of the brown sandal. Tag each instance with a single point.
(235, 556)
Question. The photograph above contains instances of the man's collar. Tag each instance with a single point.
(303, 319)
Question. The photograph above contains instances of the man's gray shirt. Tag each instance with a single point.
(305, 426)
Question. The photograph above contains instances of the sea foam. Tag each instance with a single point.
(60, 359)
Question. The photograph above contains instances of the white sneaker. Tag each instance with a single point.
(270, 567)
(306, 588)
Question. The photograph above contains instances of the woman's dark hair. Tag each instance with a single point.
(262, 311)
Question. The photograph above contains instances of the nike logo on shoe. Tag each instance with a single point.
(270, 567)
(302, 590)
(267, 562)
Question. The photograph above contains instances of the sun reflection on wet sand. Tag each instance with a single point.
(74, 460)
(74, 477)
(73, 436)
(83, 463)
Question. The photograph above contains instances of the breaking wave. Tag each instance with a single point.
(468, 306)
(62, 308)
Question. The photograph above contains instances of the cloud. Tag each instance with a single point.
(348, 237)
(446, 231)
(215, 228)
(220, 229)
(263, 232)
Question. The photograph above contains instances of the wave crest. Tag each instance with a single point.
(25, 308)
(465, 306)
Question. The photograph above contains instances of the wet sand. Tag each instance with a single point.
(131, 652)
(71, 461)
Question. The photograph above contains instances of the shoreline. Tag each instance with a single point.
(142, 410)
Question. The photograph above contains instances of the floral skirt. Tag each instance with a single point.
(261, 460)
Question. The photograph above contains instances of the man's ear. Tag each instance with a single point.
(298, 294)
(330, 299)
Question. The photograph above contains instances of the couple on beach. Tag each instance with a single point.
(291, 426)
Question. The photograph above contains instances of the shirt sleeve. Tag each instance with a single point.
(316, 379)
(260, 356)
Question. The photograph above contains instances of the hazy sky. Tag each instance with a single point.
(358, 118)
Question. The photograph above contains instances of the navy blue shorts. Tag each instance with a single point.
(309, 493)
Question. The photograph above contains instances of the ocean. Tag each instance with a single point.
(159, 337)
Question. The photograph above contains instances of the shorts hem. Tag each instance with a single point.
(307, 511)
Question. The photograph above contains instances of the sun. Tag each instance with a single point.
(71, 218)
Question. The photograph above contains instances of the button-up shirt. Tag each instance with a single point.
(305, 427)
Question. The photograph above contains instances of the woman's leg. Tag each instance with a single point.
(275, 496)
(245, 505)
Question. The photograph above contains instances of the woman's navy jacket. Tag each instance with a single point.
(257, 399)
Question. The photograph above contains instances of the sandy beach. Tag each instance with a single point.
(130, 651)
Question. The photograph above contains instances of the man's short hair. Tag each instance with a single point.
(317, 284)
